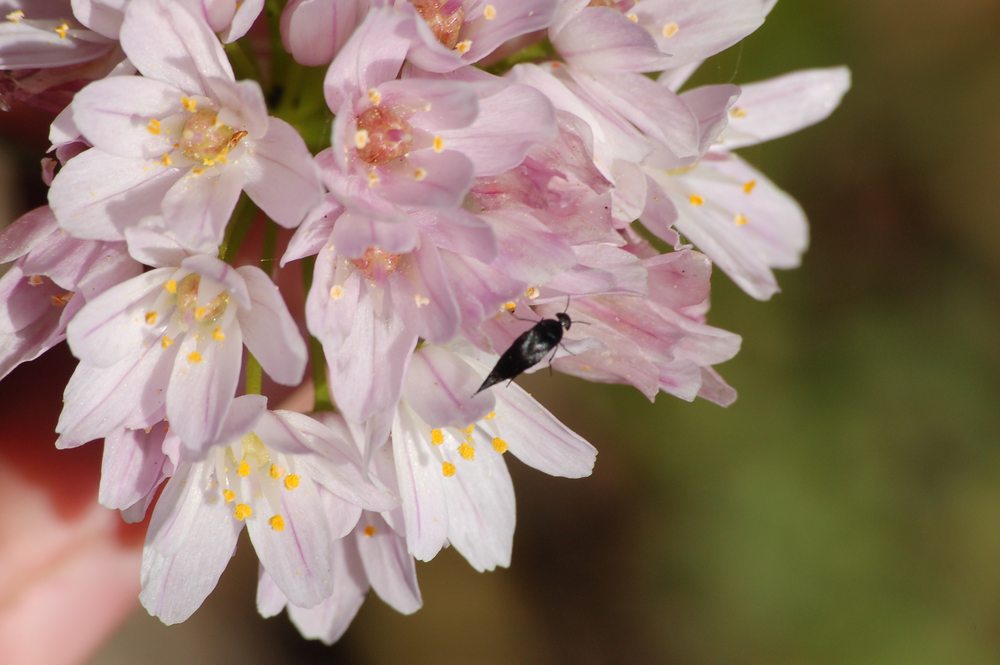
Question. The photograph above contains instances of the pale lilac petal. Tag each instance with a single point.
(270, 600)
(341, 515)
(243, 106)
(114, 115)
(191, 537)
(269, 331)
(601, 38)
(783, 105)
(366, 370)
(418, 471)
(24, 45)
(131, 466)
(329, 620)
(280, 176)
(508, 125)
(660, 213)
(101, 16)
(443, 104)
(314, 232)
(481, 512)
(246, 14)
(313, 31)
(715, 389)
(431, 179)
(97, 401)
(165, 42)
(97, 194)
(24, 234)
(601, 269)
(439, 386)
(197, 208)
(373, 55)
(356, 232)
(679, 279)
(22, 302)
(298, 557)
(200, 391)
(113, 325)
(528, 251)
(692, 31)
(537, 437)
(153, 247)
(245, 412)
(710, 105)
(222, 277)
(457, 231)
(389, 567)
(424, 297)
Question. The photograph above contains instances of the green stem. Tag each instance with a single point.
(317, 359)
(237, 229)
(245, 65)
(255, 376)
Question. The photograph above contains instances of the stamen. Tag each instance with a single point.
(447, 469)
(489, 12)
(421, 301)
(218, 335)
(151, 318)
(15, 16)
(200, 313)
(696, 200)
(738, 112)
(154, 127)
(166, 342)
(437, 437)
(740, 219)
(277, 522)
(467, 451)
(748, 186)
(336, 292)
(632, 17)
(244, 469)
(361, 138)
(275, 471)
(510, 306)
(170, 286)
(499, 445)
(62, 30)
(532, 293)
(190, 105)
(670, 29)
(370, 531)
(374, 96)
(242, 511)
(229, 495)
(194, 358)
(438, 144)
(166, 160)
(291, 481)
(35, 280)
(463, 46)
(419, 174)
(490, 416)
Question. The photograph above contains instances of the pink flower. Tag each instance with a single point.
(314, 31)
(175, 147)
(170, 343)
(281, 474)
(52, 277)
(732, 211)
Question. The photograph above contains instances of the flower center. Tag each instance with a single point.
(444, 17)
(189, 311)
(382, 136)
(206, 140)
(377, 264)
(248, 471)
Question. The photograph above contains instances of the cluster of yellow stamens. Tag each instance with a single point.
(466, 449)
(188, 315)
(739, 219)
(201, 138)
(265, 474)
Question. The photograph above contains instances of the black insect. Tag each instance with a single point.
(528, 349)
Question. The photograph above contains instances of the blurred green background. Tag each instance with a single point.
(847, 508)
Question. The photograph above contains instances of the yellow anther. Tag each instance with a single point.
(438, 144)
(242, 511)
(470, 429)
(490, 416)
(229, 495)
(632, 17)
(15, 16)
(166, 342)
(197, 170)
(336, 292)
(166, 160)
(62, 30)
(510, 306)
(437, 437)
(696, 200)
(448, 469)
(467, 451)
(489, 12)
(170, 286)
(670, 29)
(275, 471)
(738, 112)
(374, 96)
(372, 178)
(499, 445)
(200, 313)
(361, 138)
(35, 280)
(277, 522)
(218, 335)
(151, 318)
(190, 105)
(194, 357)
(370, 531)
(421, 301)
(463, 46)
(740, 219)
(419, 174)
(244, 469)
(61, 299)
(291, 481)
(748, 186)
(532, 292)
(154, 127)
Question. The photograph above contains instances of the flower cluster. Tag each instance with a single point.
(454, 171)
